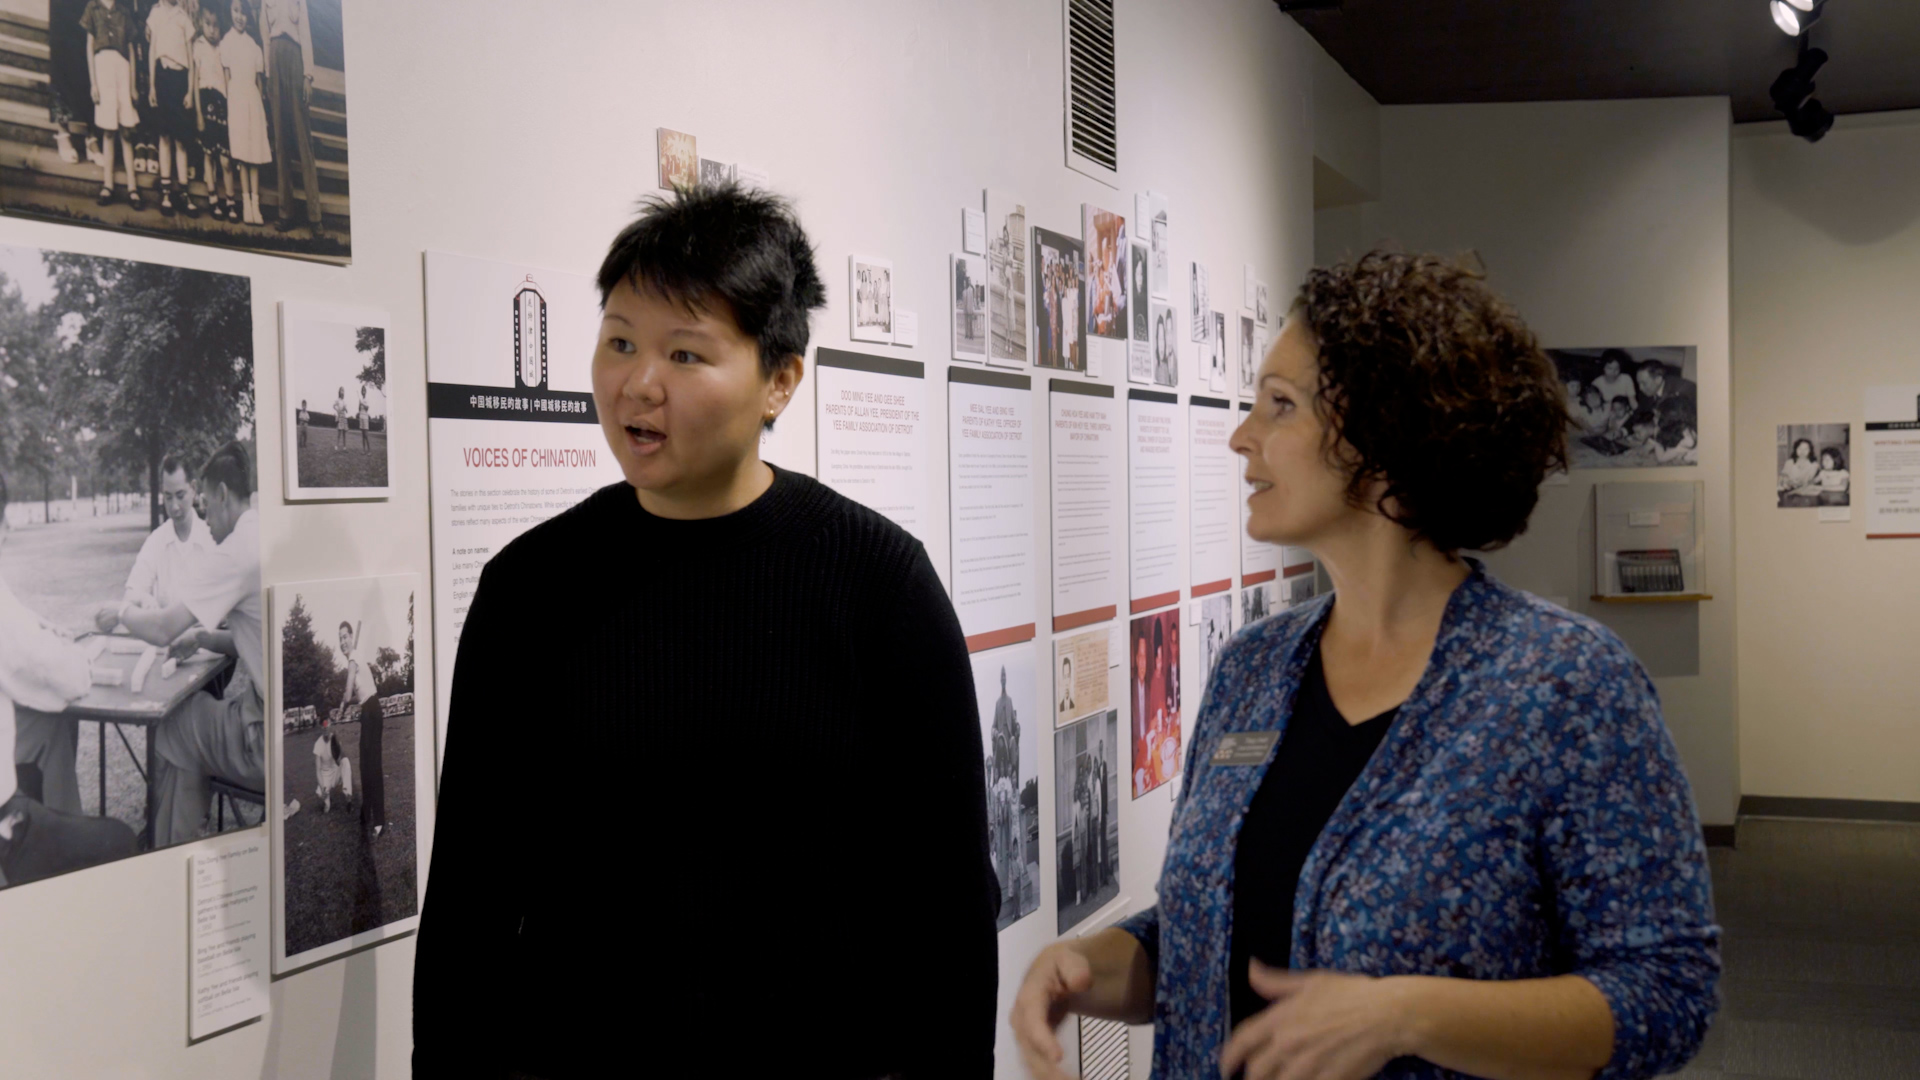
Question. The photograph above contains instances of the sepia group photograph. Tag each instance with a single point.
(221, 123)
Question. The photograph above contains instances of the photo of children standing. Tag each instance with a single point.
(219, 122)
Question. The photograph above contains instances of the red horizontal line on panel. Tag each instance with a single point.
(1893, 536)
(1257, 578)
(1084, 618)
(1158, 600)
(1296, 571)
(993, 639)
(1212, 587)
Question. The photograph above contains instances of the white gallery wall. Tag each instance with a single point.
(1605, 223)
(525, 132)
(1826, 250)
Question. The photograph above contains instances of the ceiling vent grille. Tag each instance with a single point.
(1103, 1050)
(1093, 134)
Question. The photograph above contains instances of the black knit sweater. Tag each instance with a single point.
(712, 804)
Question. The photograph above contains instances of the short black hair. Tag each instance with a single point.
(1435, 390)
(228, 465)
(346, 626)
(724, 246)
(1838, 455)
(175, 462)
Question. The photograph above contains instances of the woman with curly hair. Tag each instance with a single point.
(1449, 832)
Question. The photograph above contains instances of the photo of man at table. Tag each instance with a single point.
(133, 567)
(212, 737)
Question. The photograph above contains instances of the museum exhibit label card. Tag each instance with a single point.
(872, 433)
(990, 504)
(1084, 450)
(1213, 519)
(1893, 462)
(1259, 560)
(1154, 565)
(227, 934)
(512, 435)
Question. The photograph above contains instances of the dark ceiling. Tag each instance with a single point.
(1408, 52)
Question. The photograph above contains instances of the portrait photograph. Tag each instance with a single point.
(871, 282)
(968, 283)
(1006, 281)
(714, 173)
(1153, 679)
(1104, 236)
(1166, 347)
(129, 559)
(1059, 338)
(1004, 683)
(679, 159)
(1197, 306)
(1086, 817)
(1216, 626)
(333, 389)
(1137, 261)
(206, 122)
(1630, 408)
(343, 743)
(1812, 465)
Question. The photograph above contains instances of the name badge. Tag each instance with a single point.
(1245, 747)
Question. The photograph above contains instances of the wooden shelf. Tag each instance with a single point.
(1660, 598)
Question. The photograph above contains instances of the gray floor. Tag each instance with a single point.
(1822, 952)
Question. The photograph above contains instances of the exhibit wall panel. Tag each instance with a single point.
(1826, 254)
(1605, 223)
(498, 130)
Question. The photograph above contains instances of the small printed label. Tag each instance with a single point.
(1245, 747)
(1836, 513)
(1643, 519)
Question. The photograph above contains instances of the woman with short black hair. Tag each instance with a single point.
(1451, 834)
(741, 718)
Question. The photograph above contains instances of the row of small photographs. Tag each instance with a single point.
(1087, 750)
(682, 168)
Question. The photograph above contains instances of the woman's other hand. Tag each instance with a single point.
(1057, 974)
(1321, 1025)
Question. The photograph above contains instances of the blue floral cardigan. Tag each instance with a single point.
(1526, 816)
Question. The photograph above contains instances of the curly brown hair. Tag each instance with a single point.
(1433, 386)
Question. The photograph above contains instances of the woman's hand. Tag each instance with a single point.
(1322, 1025)
(1058, 973)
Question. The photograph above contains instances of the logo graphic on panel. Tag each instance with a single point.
(529, 337)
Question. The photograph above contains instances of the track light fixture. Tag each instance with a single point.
(1792, 94)
(1793, 17)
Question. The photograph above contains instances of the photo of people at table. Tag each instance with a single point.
(131, 648)
(1630, 408)
(1811, 460)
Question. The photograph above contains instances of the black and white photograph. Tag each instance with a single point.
(346, 858)
(1213, 357)
(1300, 588)
(1249, 361)
(1258, 601)
(1150, 221)
(1631, 408)
(1198, 306)
(1166, 346)
(1219, 341)
(968, 283)
(1004, 682)
(714, 173)
(209, 123)
(1137, 261)
(872, 291)
(1260, 301)
(1086, 816)
(131, 638)
(1006, 281)
(1811, 465)
(1058, 293)
(333, 389)
(1216, 626)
